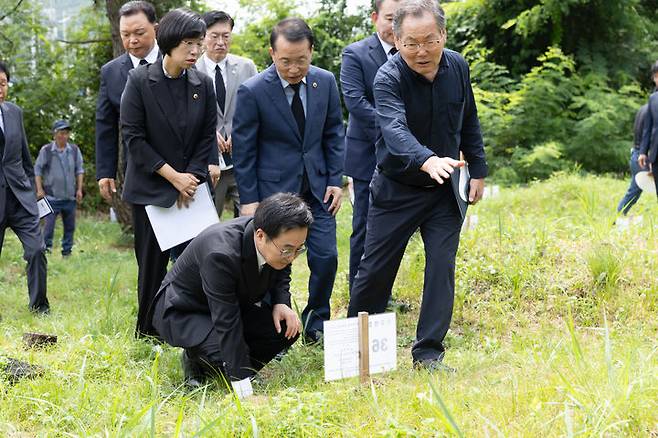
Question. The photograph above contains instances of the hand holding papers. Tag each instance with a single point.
(174, 225)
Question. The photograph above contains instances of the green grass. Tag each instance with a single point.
(554, 334)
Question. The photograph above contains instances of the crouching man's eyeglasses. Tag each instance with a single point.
(290, 252)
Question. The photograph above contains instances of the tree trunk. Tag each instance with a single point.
(122, 210)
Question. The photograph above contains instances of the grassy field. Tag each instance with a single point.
(555, 333)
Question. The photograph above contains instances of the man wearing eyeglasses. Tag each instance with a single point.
(226, 300)
(228, 72)
(288, 135)
(427, 116)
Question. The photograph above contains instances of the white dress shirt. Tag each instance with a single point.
(150, 58)
(209, 68)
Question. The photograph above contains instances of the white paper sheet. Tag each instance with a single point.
(243, 388)
(44, 208)
(173, 225)
(341, 346)
(464, 178)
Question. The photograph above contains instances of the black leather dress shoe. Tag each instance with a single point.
(313, 337)
(195, 377)
(433, 365)
(398, 306)
(41, 310)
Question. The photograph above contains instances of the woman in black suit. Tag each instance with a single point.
(168, 116)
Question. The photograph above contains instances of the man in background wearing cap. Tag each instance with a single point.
(58, 176)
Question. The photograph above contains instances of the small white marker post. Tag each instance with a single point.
(364, 348)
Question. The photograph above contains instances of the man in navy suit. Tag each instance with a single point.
(649, 142)
(288, 137)
(137, 22)
(361, 60)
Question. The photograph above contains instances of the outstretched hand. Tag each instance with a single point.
(440, 168)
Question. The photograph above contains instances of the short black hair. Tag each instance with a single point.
(135, 7)
(177, 25)
(376, 4)
(282, 212)
(4, 69)
(654, 69)
(213, 17)
(293, 30)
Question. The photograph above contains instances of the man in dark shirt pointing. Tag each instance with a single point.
(427, 115)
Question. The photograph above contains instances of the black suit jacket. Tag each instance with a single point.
(16, 161)
(216, 275)
(649, 144)
(152, 135)
(113, 80)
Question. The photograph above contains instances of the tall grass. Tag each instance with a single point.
(554, 334)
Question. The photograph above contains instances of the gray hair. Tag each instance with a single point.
(418, 8)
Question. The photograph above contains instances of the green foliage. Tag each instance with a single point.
(53, 80)
(541, 162)
(334, 29)
(602, 133)
(610, 37)
(254, 40)
(539, 110)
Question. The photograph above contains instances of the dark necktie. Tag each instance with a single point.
(2, 143)
(393, 51)
(298, 109)
(220, 89)
(143, 62)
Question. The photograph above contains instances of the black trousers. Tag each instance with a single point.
(151, 268)
(396, 212)
(26, 227)
(359, 220)
(259, 334)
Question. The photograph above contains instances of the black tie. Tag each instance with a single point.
(143, 62)
(298, 109)
(393, 51)
(220, 89)
(2, 143)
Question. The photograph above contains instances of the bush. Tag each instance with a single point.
(540, 162)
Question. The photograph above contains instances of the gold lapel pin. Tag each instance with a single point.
(315, 85)
(195, 96)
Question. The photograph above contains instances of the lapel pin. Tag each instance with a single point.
(195, 96)
(315, 85)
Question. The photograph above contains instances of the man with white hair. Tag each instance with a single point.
(427, 115)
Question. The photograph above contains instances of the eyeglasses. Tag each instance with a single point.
(414, 47)
(287, 63)
(192, 44)
(288, 253)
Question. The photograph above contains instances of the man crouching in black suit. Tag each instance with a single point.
(226, 300)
